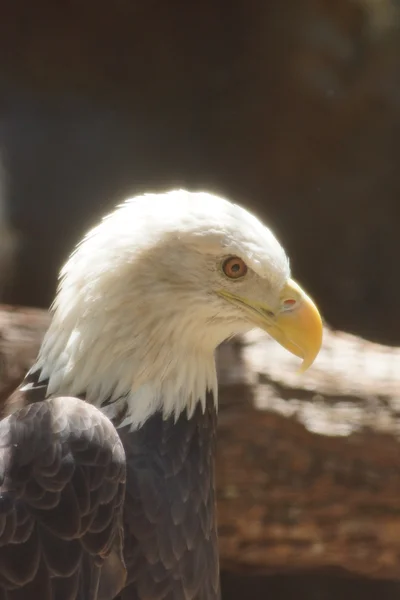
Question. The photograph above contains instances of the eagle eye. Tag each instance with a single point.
(234, 267)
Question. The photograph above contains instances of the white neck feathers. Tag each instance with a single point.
(148, 368)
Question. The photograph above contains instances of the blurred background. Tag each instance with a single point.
(290, 108)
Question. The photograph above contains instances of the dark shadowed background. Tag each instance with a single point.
(291, 108)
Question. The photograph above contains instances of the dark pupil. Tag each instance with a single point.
(235, 267)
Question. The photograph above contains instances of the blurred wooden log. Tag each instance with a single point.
(309, 468)
(21, 333)
(308, 465)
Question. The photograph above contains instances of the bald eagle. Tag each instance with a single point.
(107, 452)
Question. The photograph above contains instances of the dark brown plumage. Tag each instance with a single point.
(62, 484)
(170, 551)
(171, 548)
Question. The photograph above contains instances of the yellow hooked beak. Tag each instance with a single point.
(296, 325)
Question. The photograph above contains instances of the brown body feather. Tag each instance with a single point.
(73, 461)
(62, 486)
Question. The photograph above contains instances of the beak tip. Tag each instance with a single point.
(305, 365)
(309, 360)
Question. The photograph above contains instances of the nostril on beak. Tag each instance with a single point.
(289, 303)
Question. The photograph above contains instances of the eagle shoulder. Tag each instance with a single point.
(62, 486)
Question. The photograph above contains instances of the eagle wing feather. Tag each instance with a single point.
(62, 488)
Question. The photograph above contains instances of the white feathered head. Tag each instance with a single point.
(153, 289)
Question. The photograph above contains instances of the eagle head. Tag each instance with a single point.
(148, 295)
